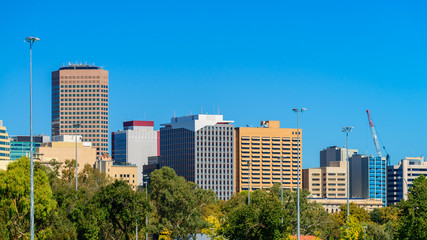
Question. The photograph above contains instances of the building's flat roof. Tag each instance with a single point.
(79, 66)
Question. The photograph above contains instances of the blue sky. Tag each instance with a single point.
(254, 60)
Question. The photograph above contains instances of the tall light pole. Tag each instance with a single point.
(77, 125)
(31, 41)
(297, 110)
(249, 181)
(146, 199)
(281, 184)
(347, 130)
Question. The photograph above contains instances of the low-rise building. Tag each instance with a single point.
(63, 147)
(326, 182)
(153, 164)
(400, 177)
(4, 143)
(21, 145)
(118, 170)
(333, 204)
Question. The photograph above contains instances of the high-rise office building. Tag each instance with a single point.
(4, 143)
(200, 148)
(80, 96)
(268, 149)
(368, 177)
(135, 144)
(334, 153)
(400, 177)
(21, 145)
(326, 182)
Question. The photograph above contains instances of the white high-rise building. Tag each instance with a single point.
(135, 143)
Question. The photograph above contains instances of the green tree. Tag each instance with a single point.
(314, 218)
(15, 201)
(178, 204)
(260, 220)
(122, 207)
(352, 230)
(358, 213)
(413, 212)
(375, 231)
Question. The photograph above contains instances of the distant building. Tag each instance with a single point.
(135, 143)
(80, 96)
(64, 148)
(117, 170)
(20, 145)
(332, 205)
(153, 164)
(269, 149)
(200, 148)
(333, 154)
(368, 177)
(4, 143)
(326, 182)
(400, 177)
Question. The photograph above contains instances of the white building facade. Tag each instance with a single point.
(134, 144)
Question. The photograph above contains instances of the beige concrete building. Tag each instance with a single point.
(333, 205)
(64, 148)
(122, 171)
(4, 143)
(272, 154)
(80, 96)
(326, 182)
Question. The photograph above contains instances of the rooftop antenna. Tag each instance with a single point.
(202, 110)
(218, 110)
(174, 114)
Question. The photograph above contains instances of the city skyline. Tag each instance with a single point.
(162, 63)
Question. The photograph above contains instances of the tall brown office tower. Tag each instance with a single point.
(80, 103)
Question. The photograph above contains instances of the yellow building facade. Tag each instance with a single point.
(126, 172)
(62, 151)
(326, 182)
(4, 143)
(271, 152)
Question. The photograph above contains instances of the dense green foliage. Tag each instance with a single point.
(413, 214)
(177, 209)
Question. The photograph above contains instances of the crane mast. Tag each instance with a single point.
(374, 134)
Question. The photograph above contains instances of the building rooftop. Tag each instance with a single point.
(79, 66)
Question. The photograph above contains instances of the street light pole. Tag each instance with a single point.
(75, 135)
(146, 214)
(298, 182)
(31, 41)
(249, 182)
(281, 184)
(347, 130)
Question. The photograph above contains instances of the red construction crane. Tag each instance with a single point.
(374, 134)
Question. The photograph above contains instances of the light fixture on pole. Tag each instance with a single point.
(31, 41)
(77, 125)
(298, 177)
(347, 130)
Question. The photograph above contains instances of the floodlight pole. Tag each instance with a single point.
(298, 175)
(347, 130)
(31, 41)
